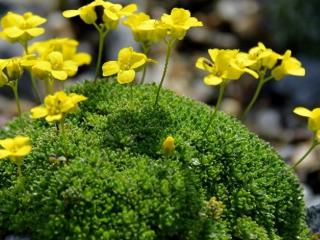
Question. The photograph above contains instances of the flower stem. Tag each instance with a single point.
(261, 83)
(146, 49)
(102, 35)
(314, 144)
(19, 171)
(14, 87)
(49, 85)
(61, 126)
(169, 50)
(216, 108)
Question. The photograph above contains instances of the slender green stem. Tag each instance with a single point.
(102, 35)
(169, 50)
(25, 46)
(61, 126)
(35, 88)
(131, 94)
(216, 108)
(14, 87)
(49, 85)
(261, 83)
(146, 49)
(314, 144)
(19, 171)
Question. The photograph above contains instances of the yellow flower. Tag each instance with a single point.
(87, 12)
(264, 57)
(66, 46)
(114, 12)
(56, 67)
(288, 66)
(178, 22)
(11, 69)
(14, 148)
(56, 106)
(21, 28)
(168, 145)
(313, 117)
(128, 63)
(224, 65)
(144, 29)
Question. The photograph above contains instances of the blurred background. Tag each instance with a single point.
(241, 24)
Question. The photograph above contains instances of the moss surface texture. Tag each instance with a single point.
(107, 178)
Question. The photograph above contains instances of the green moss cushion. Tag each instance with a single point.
(107, 178)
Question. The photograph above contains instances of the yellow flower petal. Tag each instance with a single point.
(251, 72)
(70, 13)
(214, 53)
(126, 76)
(88, 14)
(297, 72)
(59, 75)
(138, 60)
(4, 153)
(125, 55)
(70, 67)
(76, 98)
(21, 140)
(12, 19)
(23, 151)
(13, 32)
(82, 58)
(35, 32)
(54, 118)
(129, 9)
(38, 112)
(35, 20)
(212, 80)
(302, 111)
(110, 68)
(111, 15)
(7, 143)
(204, 64)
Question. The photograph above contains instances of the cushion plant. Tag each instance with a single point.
(107, 177)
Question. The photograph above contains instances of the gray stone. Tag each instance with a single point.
(313, 218)
(16, 237)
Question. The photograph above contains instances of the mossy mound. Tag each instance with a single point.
(106, 177)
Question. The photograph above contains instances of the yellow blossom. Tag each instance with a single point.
(178, 22)
(144, 29)
(66, 46)
(21, 28)
(11, 69)
(128, 63)
(312, 115)
(288, 66)
(14, 148)
(112, 13)
(168, 145)
(56, 67)
(87, 12)
(224, 65)
(264, 57)
(56, 106)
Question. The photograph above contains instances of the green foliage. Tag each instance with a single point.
(106, 177)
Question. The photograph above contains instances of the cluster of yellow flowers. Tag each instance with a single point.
(57, 60)
(54, 59)
(146, 31)
(260, 62)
